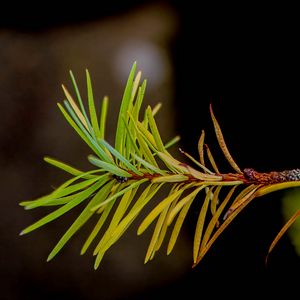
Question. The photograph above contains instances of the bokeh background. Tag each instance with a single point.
(245, 61)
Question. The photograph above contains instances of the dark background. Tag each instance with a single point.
(243, 60)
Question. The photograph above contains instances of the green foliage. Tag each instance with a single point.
(139, 164)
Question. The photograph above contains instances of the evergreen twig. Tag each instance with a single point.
(140, 160)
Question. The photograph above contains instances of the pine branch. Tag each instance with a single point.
(140, 161)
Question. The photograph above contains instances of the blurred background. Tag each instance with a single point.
(245, 61)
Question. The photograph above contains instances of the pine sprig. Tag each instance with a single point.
(140, 161)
